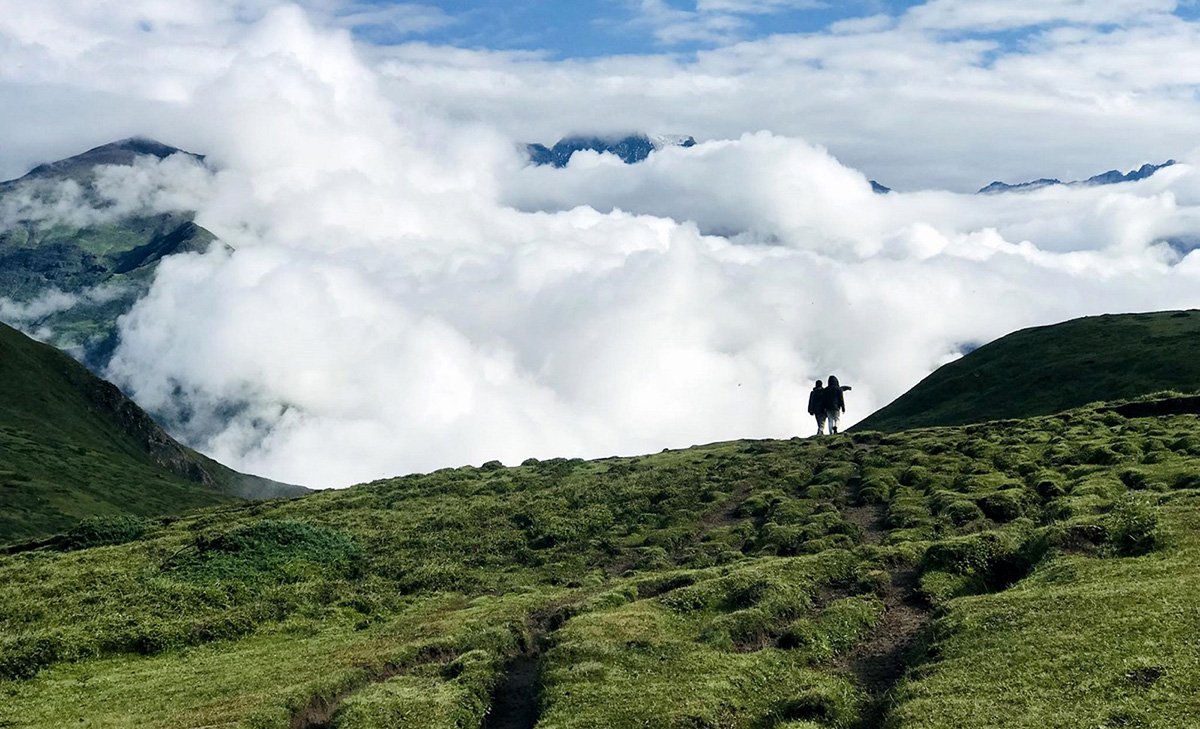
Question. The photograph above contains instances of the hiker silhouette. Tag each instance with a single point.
(834, 402)
(816, 406)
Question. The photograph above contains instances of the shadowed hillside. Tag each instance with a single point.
(73, 446)
(1049, 369)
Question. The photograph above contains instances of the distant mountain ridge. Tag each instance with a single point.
(1111, 177)
(635, 148)
(632, 148)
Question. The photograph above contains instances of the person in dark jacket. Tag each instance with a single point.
(835, 402)
(816, 406)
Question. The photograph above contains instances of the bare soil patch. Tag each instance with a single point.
(515, 700)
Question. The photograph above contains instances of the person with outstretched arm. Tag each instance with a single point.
(816, 406)
(835, 402)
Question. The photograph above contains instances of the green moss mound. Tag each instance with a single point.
(99, 531)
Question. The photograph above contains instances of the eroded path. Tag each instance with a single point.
(879, 662)
(515, 700)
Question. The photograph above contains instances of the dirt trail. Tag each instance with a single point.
(868, 518)
(515, 700)
(880, 661)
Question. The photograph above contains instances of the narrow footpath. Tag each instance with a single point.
(879, 662)
(515, 700)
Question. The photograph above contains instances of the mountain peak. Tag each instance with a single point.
(122, 152)
(631, 148)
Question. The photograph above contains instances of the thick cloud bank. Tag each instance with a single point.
(404, 293)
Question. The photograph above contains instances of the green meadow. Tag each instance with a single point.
(1021, 573)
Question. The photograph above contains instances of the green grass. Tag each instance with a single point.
(719, 586)
(1082, 642)
(259, 681)
(73, 447)
(1049, 369)
(740, 647)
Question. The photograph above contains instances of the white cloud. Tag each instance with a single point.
(149, 186)
(406, 294)
(29, 315)
(998, 15)
(673, 26)
(755, 7)
(18, 313)
(712, 21)
(391, 20)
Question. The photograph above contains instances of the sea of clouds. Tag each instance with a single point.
(398, 290)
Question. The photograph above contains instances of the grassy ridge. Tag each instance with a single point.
(1049, 369)
(72, 447)
(721, 586)
(62, 456)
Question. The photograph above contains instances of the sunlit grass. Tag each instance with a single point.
(709, 587)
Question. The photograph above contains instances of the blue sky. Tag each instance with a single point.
(596, 28)
(591, 28)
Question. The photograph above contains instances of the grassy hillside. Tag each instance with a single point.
(1054, 368)
(72, 446)
(1032, 573)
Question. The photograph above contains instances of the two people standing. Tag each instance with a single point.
(827, 404)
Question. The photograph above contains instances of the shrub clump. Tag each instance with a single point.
(1003, 506)
(23, 657)
(992, 560)
(103, 531)
(280, 549)
(1133, 527)
(962, 512)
